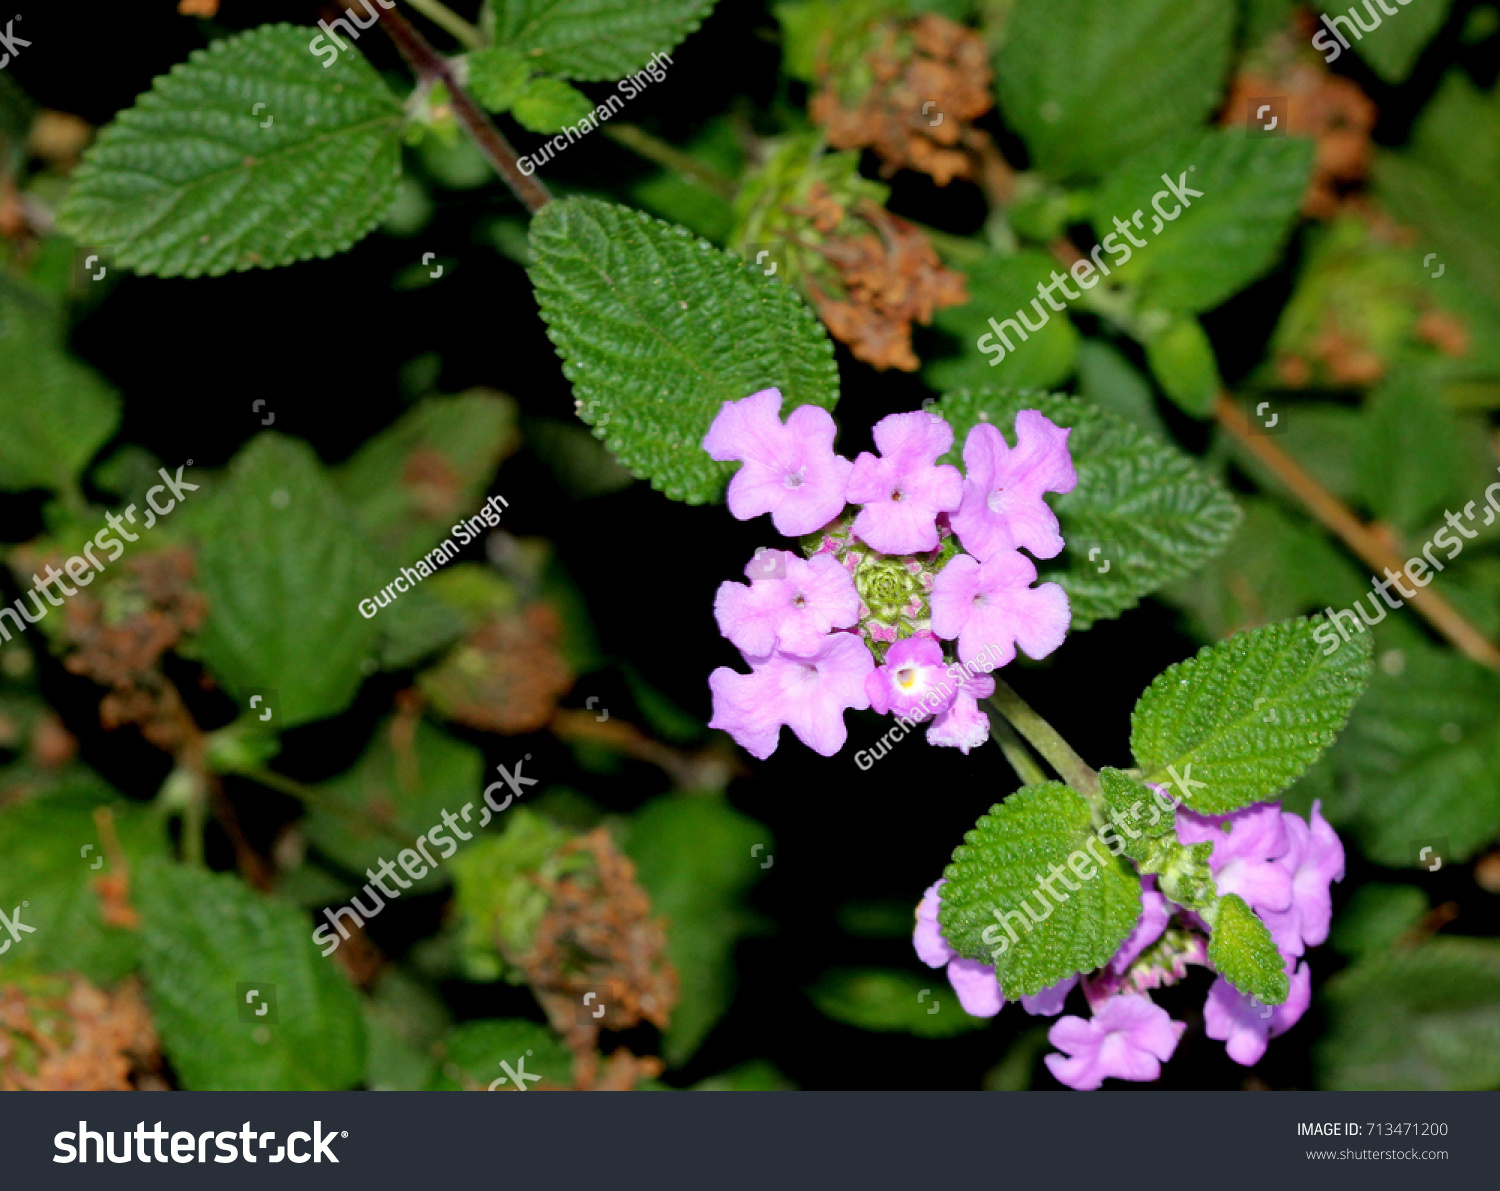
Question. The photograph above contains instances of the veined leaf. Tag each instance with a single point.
(550, 105)
(208, 935)
(591, 40)
(1394, 46)
(192, 180)
(893, 1002)
(284, 574)
(1220, 242)
(1242, 951)
(1143, 509)
(1074, 79)
(1000, 867)
(1249, 715)
(658, 329)
(473, 1052)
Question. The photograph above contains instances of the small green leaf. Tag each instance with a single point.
(550, 105)
(497, 75)
(1143, 514)
(1376, 916)
(1421, 757)
(1393, 47)
(51, 847)
(1423, 1019)
(1242, 951)
(1409, 452)
(591, 40)
(192, 180)
(1249, 715)
(697, 859)
(998, 287)
(206, 935)
(284, 574)
(893, 1002)
(473, 1052)
(657, 330)
(1183, 362)
(393, 795)
(1133, 808)
(57, 413)
(999, 868)
(402, 1021)
(1252, 189)
(1073, 80)
(413, 480)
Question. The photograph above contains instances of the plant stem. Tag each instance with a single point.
(653, 148)
(431, 67)
(1014, 748)
(445, 18)
(311, 797)
(1043, 737)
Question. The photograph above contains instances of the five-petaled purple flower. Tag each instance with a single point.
(905, 489)
(991, 607)
(1130, 1037)
(1002, 507)
(793, 611)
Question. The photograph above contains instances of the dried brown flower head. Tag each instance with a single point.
(60, 1033)
(506, 676)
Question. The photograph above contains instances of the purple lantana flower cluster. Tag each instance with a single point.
(1281, 864)
(901, 554)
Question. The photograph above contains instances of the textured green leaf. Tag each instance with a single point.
(204, 934)
(693, 855)
(550, 105)
(1250, 714)
(595, 39)
(1182, 360)
(497, 75)
(411, 482)
(1086, 82)
(56, 413)
(1142, 507)
(402, 1021)
(1242, 951)
(1252, 191)
(893, 1002)
(657, 330)
(1410, 451)
(1134, 811)
(401, 787)
(1421, 757)
(1424, 1019)
(284, 574)
(998, 287)
(473, 1052)
(50, 845)
(1376, 916)
(187, 182)
(1110, 381)
(998, 869)
(1394, 46)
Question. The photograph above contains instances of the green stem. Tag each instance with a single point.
(632, 136)
(445, 18)
(1043, 737)
(1014, 748)
(311, 797)
(194, 824)
(959, 249)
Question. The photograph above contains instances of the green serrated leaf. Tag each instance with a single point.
(1376, 917)
(999, 286)
(1134, 809)
(1110, 381)
(591, 40)
(411, 482)
(473, 1052)
(1394, 45)
(1421, 757)
(1142, 508)
(696, 857)
(204, 935)
(284, 574)
(1409, 450)
(1182, 360)
(657, 330)
(189, 182)
(1242, 951)
(497, 75)
(549, 105)
(402, 1020)
(393, 795)
(1249, 715)
(1252, 191)
(56, 413)
(1427, 1018)
(51, 846)
(892, 1002)
(1072, 81)
(999, 868)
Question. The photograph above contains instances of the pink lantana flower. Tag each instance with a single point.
(807, 694)
(1314, 859)
(1244, 861)
(1245, 1025)
(1130, 1037)
(793, 609)
(991, 607)
(905, 489)
(790, 469)
(974, 982)
(1002, 506)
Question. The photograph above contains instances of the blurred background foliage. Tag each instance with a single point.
(743, 926)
